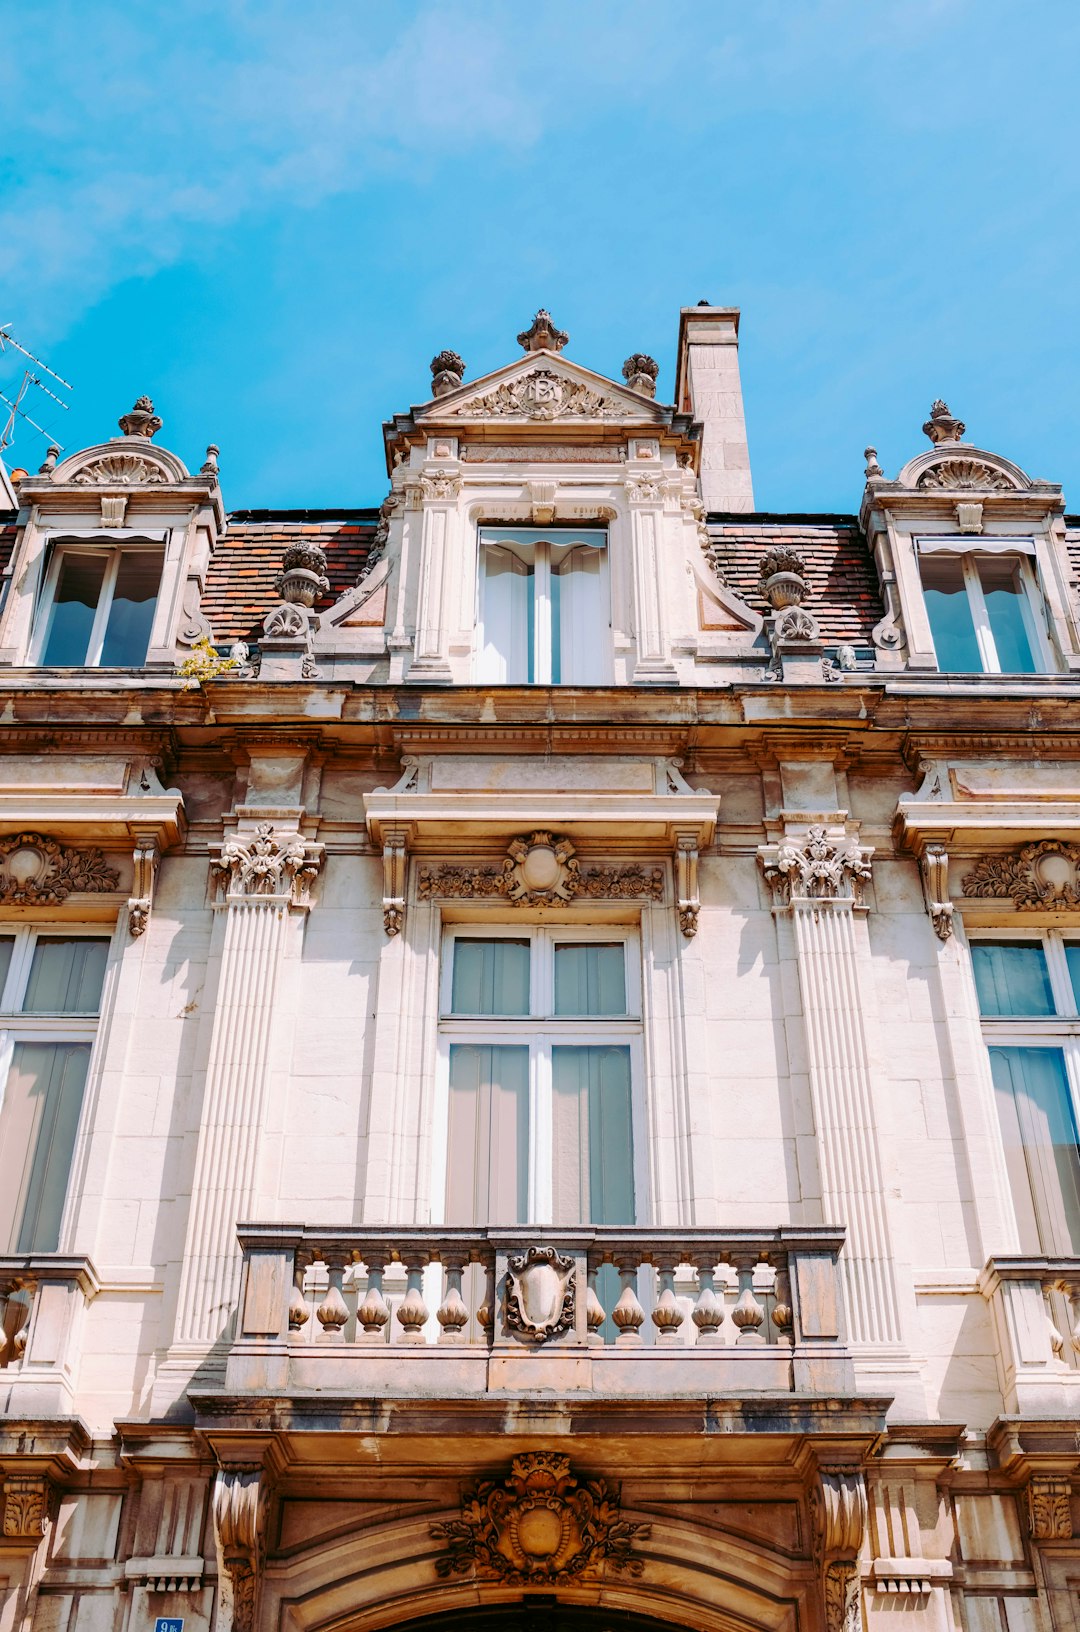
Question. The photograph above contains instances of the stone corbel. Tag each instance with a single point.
(838, 1519)
(239, 1526)
(687, 901)
(29, 1502)
(395, 854)
(145, 858)
(1049, 1507)
(934, 867)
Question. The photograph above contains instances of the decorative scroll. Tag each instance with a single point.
(239, 1518)
(934, 866)
(539, 1526)
(837, 1519)
(1040, 876)
(540, 1294)
(35, 870)
(540, 870)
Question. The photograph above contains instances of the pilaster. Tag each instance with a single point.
(437, 494)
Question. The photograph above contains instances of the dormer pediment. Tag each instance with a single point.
(545, 388)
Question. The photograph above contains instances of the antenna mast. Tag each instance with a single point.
(30, 378)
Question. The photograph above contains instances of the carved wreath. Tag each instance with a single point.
(539, 1525)
(1040, 875)
(35, 869)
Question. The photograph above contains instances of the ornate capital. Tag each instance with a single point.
(1049, 1505)
(441, 486)
(541, 1525)
(825, 863)
(644, 489)
(37, 871)
(1040, 876)
(267, 865)
(239, 1523)
(28, 1507)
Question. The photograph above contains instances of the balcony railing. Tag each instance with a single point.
(615, 1311)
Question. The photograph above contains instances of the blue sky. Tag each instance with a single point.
(271, 215)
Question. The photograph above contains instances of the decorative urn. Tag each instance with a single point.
(783, 580)
(303, 575)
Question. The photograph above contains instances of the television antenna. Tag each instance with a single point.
(31, 378)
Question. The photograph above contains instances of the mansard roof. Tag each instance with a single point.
(240, 582)
(844, 594)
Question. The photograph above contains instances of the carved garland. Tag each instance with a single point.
(35, 870)
(540, 1525)
(544, 395)
(1040, 876)
(540, 870)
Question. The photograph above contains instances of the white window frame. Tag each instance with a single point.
(541, 1030)
(1032, 605)
(541, 544)
(41, 1026)
(44, 617)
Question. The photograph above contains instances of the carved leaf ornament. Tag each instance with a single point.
(539, 1526)
(1040, 876)
(120, 470)
(35, 869)
(964, 475)
(540, 870)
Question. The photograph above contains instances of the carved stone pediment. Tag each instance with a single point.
(545, 391)
(1043, 876)
(960, 475)
(123, 463)
(37, 870)
(539, 1526)
(540, 1297)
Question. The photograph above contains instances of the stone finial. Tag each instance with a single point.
(140, 420)
(52, 453)
(543, 336)
(447, 371)
(943, 426)
(783, 578)
(209, 465)
(873, 469)
(639, 372)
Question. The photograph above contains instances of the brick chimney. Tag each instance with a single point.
(707, 385)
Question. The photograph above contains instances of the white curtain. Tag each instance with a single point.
(506, 613)
(582, 623)
(1040, 1147)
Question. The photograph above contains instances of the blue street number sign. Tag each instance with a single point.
(169, 1623)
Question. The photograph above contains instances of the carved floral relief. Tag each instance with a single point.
(540, 1525)
(540, 870)
(37, 870)
(1040, 876)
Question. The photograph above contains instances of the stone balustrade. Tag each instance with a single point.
(1035, 1306)
(43, 1296)
(615, 1311)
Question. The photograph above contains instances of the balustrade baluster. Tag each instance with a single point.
(298, 1309)
(485, 1315)
(628, 1314)
(667, 1316)
(452, 1314)
(783, 1317)
(372, 1314)
(413, 1311)
(333, 1311)
(748, 1314)
(708, 1312)
(594, 1311)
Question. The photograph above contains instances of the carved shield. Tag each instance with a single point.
(539, 1294)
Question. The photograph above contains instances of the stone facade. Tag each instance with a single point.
(778, 1326)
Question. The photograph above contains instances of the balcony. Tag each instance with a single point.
(468, 1312)
(44, 1296)
(1035, 1305)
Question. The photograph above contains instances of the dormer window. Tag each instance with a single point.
(984, 608)
(97, 607)
(544, 607)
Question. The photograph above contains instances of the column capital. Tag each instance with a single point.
(268, 865)
(816, 859)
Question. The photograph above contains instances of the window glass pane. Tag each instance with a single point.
(490, 977)
(78, 590)
(127, 632)
(487, 1164)
(592, 1157)
(949, 611)
(590, 978)
(1003, 590)
(507, 612)
(1072, 957)
(38, 1122)
(1040, 1147)
(6, 944)
(66, 975)
(1011, 977)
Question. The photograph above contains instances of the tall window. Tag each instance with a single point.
(50, 996)
(544, 608)
(985, 611)
(1029, 997)
(540, 1043)
(97, 608)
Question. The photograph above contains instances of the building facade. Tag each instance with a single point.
(541, 1032)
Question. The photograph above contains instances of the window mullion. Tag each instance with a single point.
(104, 606)
(540, 1132)
(542, 629)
